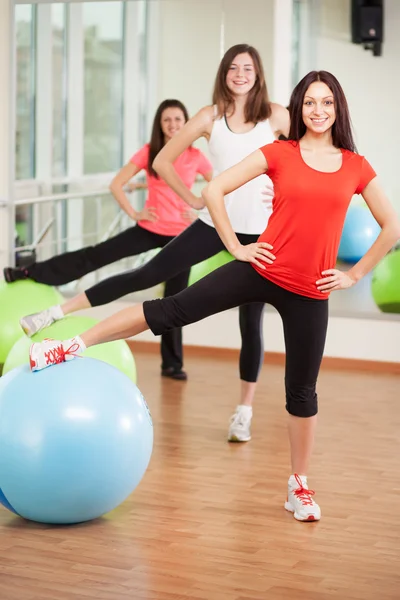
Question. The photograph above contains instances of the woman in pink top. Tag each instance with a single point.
(164, 216)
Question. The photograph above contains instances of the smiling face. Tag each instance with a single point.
(172, 121)
(318, 108)
(241, 75)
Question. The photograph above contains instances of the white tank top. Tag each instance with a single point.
(245, 208)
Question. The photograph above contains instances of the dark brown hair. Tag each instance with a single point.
(257, 107)
(342, 135)
(157, 141)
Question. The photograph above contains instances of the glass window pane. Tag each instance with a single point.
(25, 91)
(58, 18)
(103, 64)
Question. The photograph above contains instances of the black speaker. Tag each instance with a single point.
(367, 24)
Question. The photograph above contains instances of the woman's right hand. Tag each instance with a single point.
(147, 214)
(253, 253)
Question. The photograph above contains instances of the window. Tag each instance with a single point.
(25, 91)
(103, 76)
(59, 81)
(25, 28)
(66, 131)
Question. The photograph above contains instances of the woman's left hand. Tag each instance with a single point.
(334, 280)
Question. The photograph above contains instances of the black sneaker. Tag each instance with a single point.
(11, 275)
(174, 373)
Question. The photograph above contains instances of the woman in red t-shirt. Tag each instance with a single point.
(164, 216)
(291, 267)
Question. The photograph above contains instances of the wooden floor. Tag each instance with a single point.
(207, 522)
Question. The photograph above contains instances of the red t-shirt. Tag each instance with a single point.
(309, 209)
(170, 206)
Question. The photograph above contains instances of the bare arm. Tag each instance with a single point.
(199, 126)
(252, 166)
(190, 214)
(136, 185)
(386, 217)
(117, 188)
(208, 176)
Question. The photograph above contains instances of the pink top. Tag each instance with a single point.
(169, 206)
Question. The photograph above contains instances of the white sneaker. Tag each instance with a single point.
(34, 323)
(51, 352)
(299, 500)
(239, 428)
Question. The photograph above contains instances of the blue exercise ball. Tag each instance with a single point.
(75, 440)
(359, 233)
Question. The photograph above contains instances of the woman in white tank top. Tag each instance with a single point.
(240, 121)
(246, 207)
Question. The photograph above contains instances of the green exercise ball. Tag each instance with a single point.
(207, 266)
(115, 353)
(17, 300)
(385, 283)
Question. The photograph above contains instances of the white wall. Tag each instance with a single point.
(371, 84)
(193, 34)
(189, 50)
(252, 22)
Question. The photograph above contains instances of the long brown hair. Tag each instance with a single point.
(258, 106)
(157, 141)
(342, 135)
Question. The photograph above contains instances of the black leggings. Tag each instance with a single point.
(70, 266)
(135, 240)
(197, 243)
(304, 322)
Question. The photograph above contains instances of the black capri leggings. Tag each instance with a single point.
(197, 243)
(70, 266)
(304, 322)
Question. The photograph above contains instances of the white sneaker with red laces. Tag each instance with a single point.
(299, 500)
(51, 352)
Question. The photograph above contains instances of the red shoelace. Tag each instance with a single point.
(57, 354)
(302, 493)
